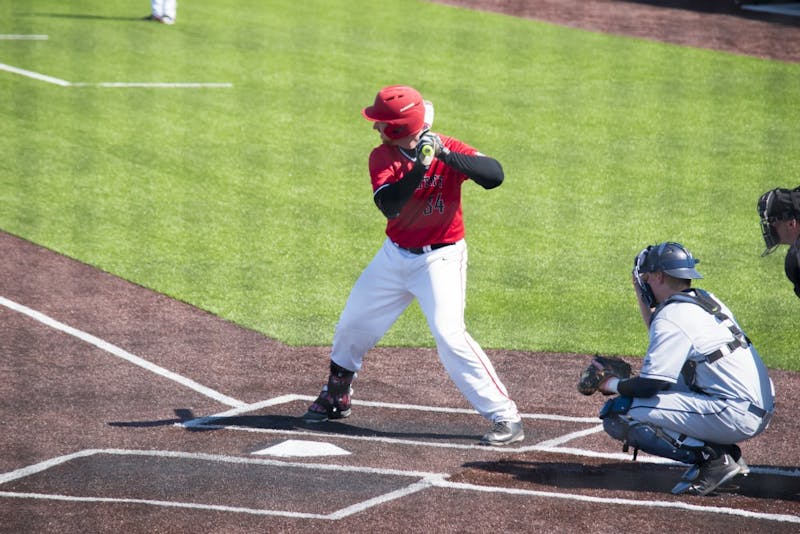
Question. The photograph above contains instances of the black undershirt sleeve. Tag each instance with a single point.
(391, 198)
(641, 387)
(483, 170)
(792, 266)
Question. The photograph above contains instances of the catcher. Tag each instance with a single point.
(702, 387)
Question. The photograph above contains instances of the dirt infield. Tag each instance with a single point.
(126, 411)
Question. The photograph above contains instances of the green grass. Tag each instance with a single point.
(254, 202)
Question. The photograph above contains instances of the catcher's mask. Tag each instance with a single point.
(773, 206)
(401, 108)
(668, 257)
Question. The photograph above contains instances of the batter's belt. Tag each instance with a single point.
(426, 248)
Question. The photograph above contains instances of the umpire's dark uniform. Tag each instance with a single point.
(792, 266)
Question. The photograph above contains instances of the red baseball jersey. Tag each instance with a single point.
(433, 213)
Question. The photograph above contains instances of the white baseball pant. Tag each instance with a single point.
(438, 280)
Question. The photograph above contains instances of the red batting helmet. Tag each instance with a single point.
(401, 108)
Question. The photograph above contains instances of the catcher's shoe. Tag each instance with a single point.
(736, 454)
(686, 480)
(744, 469)
(503, 433)
(714, 473)
(328, 407)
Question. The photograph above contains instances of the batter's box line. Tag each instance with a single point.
(426, 480)
(549, 446)
(285, 399)
(552, 445)
(418, 443)
(678, 505)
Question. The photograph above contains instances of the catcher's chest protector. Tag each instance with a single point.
(704, 300)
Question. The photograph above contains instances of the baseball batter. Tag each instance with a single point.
(703, 386)
(416, 181)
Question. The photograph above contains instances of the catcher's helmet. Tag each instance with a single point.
(777, 205)
(401, 108)
(671, 258)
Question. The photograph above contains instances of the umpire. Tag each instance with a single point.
(779, 210)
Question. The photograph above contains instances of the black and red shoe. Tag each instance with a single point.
(328, 407)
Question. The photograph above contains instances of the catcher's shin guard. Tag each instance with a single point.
(616, 406)
(333, 401)
(652, 440)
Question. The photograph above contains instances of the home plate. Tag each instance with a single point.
(293, 447)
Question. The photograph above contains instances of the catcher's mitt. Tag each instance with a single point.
(599, 369)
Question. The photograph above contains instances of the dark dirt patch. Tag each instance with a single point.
(714, 24)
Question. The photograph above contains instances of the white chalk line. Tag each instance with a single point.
(554, 445)
(22, 37)
(156, 85)
(166, 504)
(548, 446)
(34, 75)
(208, 422)
(121, 353)
(222, 458)
(42, 466)
(377, 404)
(439, 445)
(785, 518)
(426, 480)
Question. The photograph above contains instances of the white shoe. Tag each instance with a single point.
(503, 433)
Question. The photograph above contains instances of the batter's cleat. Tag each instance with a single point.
(163, 20)
(503, 433)
(327, 408)
(714, 473)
